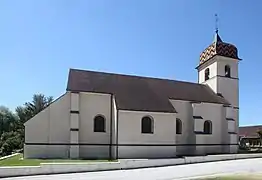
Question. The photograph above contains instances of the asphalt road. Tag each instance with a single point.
(162, 173)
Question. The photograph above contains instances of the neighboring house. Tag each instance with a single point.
(105, 115)
(250, 136)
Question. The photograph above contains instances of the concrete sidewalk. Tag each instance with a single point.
(189, 171)
(61, 168)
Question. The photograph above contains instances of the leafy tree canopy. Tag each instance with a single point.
(11, 124)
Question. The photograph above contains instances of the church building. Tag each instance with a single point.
(112, 116)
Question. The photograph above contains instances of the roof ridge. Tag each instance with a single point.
(136, 76)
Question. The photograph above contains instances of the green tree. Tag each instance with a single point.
(9, 142)
(39, 103)
(8, 120)
(10, 138)
(30, 109)
(11, 125)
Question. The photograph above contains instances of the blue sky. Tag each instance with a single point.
(41, 39)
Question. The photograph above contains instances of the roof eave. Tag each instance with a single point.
(143, 110)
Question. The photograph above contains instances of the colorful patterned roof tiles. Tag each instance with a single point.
(218, 47)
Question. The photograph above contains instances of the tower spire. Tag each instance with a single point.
(217, 37)
(216, 23)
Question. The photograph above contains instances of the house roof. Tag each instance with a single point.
(141, 93)
(249, 131)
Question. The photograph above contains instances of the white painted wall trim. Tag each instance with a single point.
(74, 124)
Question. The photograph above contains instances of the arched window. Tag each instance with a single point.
(207, 74)
(178, 126)
(208, 127)
(227, 71)
(99, 124)
(147, 125)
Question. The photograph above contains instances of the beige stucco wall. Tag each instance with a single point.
(216, 114)
(230, 112)
(185, 114)
(236, 113)
(228, 87)
(56, 121)
(74, 121)
(74, 102)
(233, 140)
(233, 63)
(129, 126)
(231, 126)
(199, 125)
(91, 105)
(212, 81)
(212, 65)
(49, 126)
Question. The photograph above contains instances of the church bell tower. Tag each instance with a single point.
(218, 68)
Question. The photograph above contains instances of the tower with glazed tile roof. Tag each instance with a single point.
(218, 68)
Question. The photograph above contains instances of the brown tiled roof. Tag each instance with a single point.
(249, 131)
(141, 93)
(218, 47)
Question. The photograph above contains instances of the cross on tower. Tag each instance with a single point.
(216, 23)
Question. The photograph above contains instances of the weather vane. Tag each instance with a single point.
(216, 18)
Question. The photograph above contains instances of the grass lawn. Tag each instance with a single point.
(17, 161)
(237, 177)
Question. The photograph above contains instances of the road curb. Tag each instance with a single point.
(48, 169)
